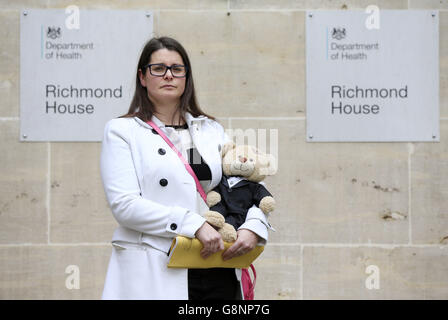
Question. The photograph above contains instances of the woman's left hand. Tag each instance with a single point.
(245, 242)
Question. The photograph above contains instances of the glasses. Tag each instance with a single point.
(160, 69)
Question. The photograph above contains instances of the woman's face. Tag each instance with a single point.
(166, 89)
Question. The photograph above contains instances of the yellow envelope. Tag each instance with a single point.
(185, 253)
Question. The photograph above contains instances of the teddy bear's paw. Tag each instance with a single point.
(213, 198)
(267, 204)
(228, 233)
(214, 218)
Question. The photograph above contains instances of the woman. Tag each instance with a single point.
(151, 194)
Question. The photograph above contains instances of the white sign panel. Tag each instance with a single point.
(77, 70)
(372, 76)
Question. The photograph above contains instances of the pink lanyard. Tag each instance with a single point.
(187, 165)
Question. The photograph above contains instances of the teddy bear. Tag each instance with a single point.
(244, 168)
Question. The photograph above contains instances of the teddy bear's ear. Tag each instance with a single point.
(226, 147)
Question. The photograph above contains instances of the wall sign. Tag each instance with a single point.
(77, 70)
(372, 76)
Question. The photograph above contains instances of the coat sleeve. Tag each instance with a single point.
(123, 193)
(257, 222)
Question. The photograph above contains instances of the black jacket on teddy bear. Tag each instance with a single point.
(238, 199)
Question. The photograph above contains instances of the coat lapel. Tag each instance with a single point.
(205, 148)
(202, 142)
(240, 184)
(224, 181)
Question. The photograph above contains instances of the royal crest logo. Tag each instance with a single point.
(53, 32)
(338, 33)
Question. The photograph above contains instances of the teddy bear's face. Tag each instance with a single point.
(247, 161)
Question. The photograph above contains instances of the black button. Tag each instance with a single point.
(154, 131)
(163, 182)
(162, 151)
(173, 226)
(229, 190)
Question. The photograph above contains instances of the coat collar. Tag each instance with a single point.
(237, 181)
(190, 120)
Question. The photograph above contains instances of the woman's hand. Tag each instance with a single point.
(210, 239)
(245, 242)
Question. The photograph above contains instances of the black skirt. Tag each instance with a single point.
(213, 284)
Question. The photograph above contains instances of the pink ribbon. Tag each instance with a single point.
(185, 162)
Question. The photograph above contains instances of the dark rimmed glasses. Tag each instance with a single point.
(160, 69)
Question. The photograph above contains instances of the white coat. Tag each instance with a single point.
(153, 198)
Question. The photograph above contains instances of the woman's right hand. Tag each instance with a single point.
(210, 239)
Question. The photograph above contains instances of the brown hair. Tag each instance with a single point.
(141, 106)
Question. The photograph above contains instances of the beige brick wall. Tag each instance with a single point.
(335, 201)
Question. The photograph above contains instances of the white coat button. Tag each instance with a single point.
(163, 182)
